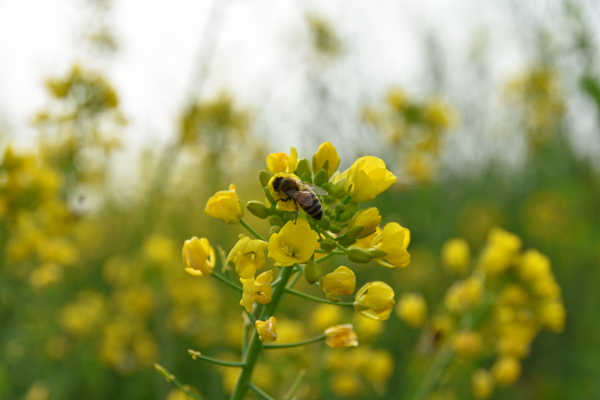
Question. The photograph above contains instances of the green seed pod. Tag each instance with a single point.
(312, 272)
(358, 255)
(258, 209)
(264, 176)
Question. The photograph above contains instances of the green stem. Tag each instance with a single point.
(171, 378)
(259, 392)
(295, 385)
(255, 346)
(328, 256)
(297, 344)
(252, 231)
(435, 371)
(228, 283)
(196, 355)
(318, 299)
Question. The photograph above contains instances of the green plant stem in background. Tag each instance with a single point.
(295, 386)
(435, 371)
(228, 283)
(251, 356)
(297, 344)
(260, 393)
(252, 231)
(171, 378)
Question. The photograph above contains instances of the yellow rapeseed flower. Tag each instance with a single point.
(506, 370)
(552, 315)
(226, 206)
(467, 344)
(248, 256)
(295, 243)
(340, 282)
(326, 154)
(367, 178)
(456, 255)
(267, 330)
(258, 290)
(500, 250)
(394, 240)
(463, 295)
(281, 162)
(482, 384)
(367, 218)
(412, 309)
(341, 336)
(198, 257)
(375, 300)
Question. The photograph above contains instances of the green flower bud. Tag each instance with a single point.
(377, 253)
(274, 229)
(321, 177)
(270, 196)
(303, 168)
(335, 229)
(258, 209)
(312, 272)
(354, 232)
(265, 176)
(276, 220)
(328, 245)
(358, 255)
(345, 241)
(324, 224)
(305, 177)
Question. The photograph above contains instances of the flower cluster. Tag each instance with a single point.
(314, 215)
(494, 313)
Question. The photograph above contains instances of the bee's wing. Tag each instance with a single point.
(303, 197)
(318, 190)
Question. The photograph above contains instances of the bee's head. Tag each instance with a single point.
(277, 183)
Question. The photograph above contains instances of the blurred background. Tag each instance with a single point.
(119, 120)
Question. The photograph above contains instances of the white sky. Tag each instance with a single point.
(259, 54)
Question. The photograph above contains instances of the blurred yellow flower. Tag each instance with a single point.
(367, 178)
(412, 309)
(552, 315)
(506, 370)
(364, 222)
(325, 315)
(327, 158)
(295, 243)
(394, 240)
(500, 250)
(375, 300)
(267, 330)
(340, 282)
(463, 295)
(456, 255)
(198, 257)
(258, 290)
(467, 344)
(281, 162)
(226, 206)
(482, 384)
(341, 336)
(345, 384)
(248, 256)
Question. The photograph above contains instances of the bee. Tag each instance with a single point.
(302, 194)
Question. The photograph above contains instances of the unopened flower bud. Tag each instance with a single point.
(264, 176)
(328, 245)
(312, 272)
(358, 255)
(258, 209)
(303, 168)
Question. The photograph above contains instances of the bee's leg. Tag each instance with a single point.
(296, 204)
